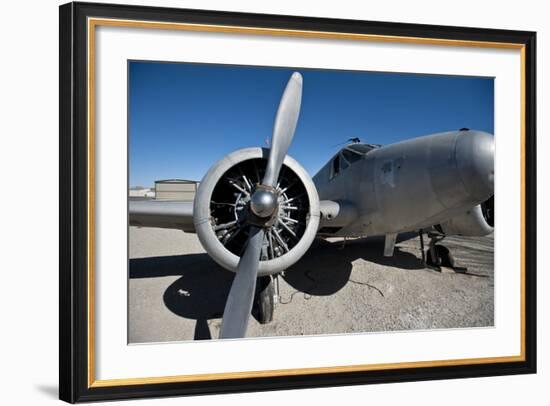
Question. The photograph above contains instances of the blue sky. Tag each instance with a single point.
(184, 117)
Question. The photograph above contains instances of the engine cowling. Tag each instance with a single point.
(478, 221)
(223, 199)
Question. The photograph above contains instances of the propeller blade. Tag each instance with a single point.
(241, 296)
(284, 127)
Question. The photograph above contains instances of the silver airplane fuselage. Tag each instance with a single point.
(406, 186)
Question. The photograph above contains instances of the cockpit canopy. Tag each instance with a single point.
(348, 156)
(361, 148)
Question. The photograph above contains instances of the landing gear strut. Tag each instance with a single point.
(437, 255)
(264, 299)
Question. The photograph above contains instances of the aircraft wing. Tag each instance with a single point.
(162, 214)
(179, 215)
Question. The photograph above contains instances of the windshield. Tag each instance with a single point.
(361, 148)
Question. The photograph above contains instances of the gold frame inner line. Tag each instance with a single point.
(94, 22)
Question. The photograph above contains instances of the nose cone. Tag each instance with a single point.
(263, 203)
(475, 156)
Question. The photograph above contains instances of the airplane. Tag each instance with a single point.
(257, 211)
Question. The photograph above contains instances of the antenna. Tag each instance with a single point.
(354, 140)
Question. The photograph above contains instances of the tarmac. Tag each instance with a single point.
(176, 292)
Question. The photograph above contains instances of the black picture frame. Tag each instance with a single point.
(74, 383)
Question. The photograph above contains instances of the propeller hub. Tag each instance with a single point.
(263, 201)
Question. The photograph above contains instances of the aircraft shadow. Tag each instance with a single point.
(327, 266)
(201, 291)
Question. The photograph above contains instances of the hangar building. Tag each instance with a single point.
(176, 189)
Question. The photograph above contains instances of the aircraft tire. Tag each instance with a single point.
(443, 257)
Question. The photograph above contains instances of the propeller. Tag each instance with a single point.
(263, 206)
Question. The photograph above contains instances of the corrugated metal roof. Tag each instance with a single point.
(176, 181)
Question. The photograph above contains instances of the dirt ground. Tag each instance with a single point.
(177, 292)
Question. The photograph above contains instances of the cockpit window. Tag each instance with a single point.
(362, 148)
(335, 167)
(343, 163)
(350, 156)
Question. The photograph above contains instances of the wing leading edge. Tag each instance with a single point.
(162, 214)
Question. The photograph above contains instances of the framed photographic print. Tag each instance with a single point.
(256, 202)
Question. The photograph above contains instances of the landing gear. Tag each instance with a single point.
(264, 300)
(437, 255)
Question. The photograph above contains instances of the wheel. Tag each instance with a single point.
(443, 257)
(265, 305)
